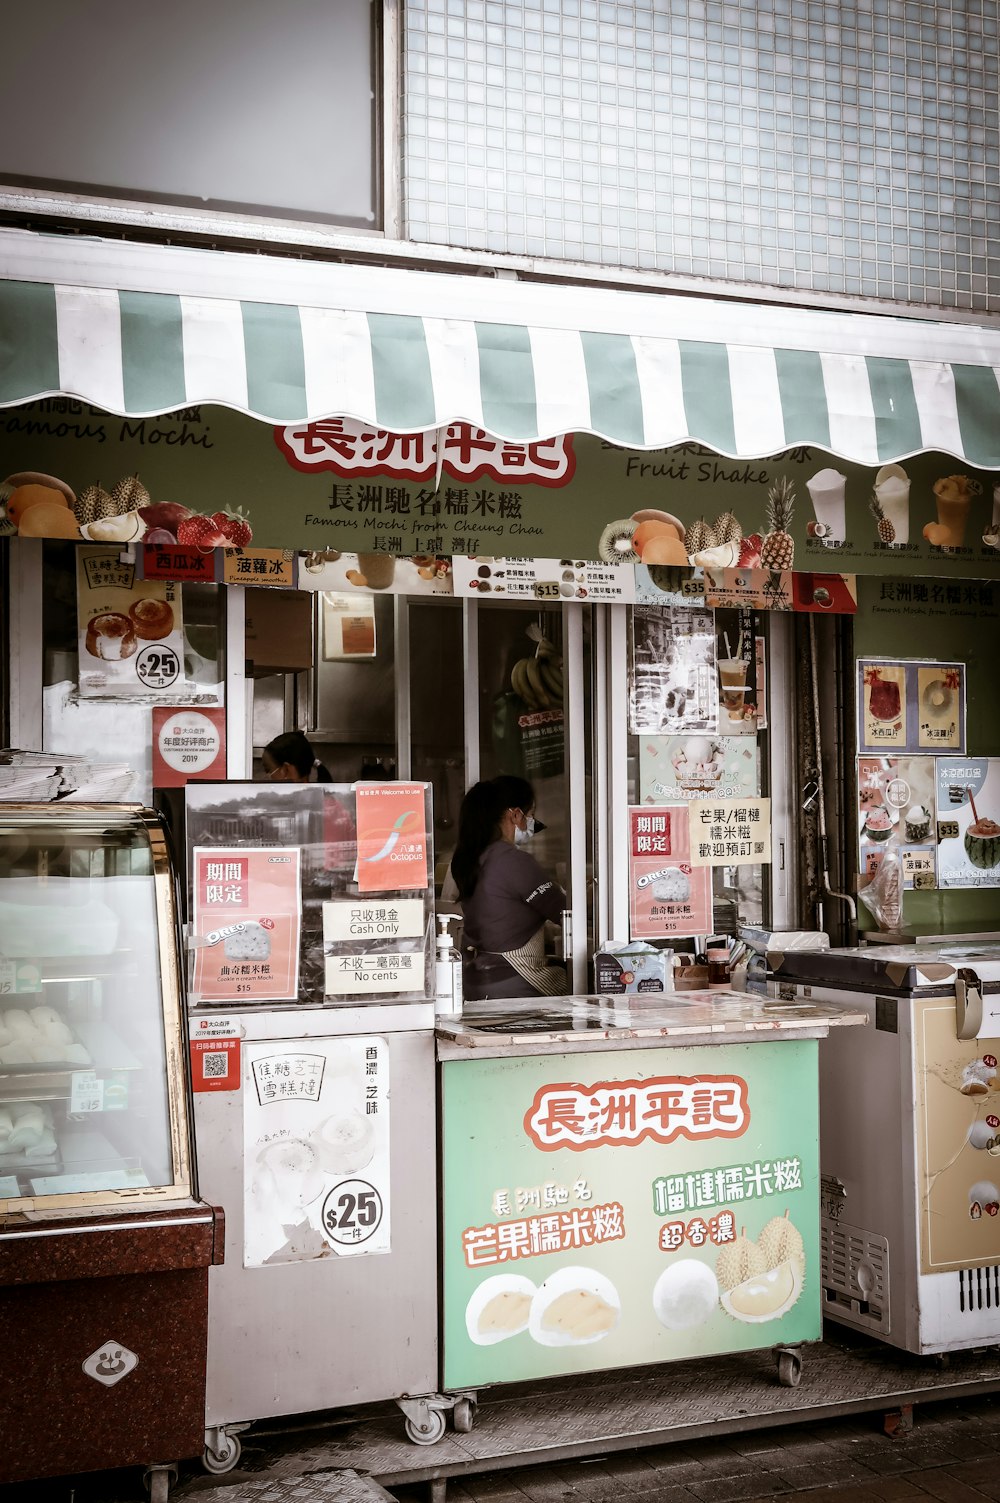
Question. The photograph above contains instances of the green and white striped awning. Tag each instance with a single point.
(141, 330)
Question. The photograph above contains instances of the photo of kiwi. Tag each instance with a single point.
(615, 546)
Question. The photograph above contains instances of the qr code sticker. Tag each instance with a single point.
(215, 1066)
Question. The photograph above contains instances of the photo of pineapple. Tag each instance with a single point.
(886, 531)
(777, 551)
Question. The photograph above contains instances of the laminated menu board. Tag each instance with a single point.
(245, 923)
(910, 706)
(131, 633)
(896, 796)
(352, 944)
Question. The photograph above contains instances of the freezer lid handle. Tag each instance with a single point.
(968, 1004)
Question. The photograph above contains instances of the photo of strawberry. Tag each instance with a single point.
(234, 527)
(201, 532)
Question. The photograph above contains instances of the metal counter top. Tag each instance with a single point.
(587, 1024)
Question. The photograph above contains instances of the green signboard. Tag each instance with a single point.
(611, 1209)
(337, 485)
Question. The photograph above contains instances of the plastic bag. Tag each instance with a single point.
(883, 897)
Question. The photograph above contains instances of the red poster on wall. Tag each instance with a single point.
(668, 897)
(246, 924)
(392, 837)
(188, 744)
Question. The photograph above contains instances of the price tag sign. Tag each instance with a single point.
(546, 589)
(947, 829)
(917, 864)
(16, 976)
(86, 1092)
(158, 667)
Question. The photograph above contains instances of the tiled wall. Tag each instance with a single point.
(852, 148)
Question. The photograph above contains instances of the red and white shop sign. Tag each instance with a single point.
(188, 744)
(350, 448)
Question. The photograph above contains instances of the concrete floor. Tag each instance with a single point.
(719, 1432)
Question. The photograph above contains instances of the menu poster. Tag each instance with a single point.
(557, 580)
(741, 710)
(897, 794)
(131, 633)
(246, 924)
(676, 768)
(672, 671)
(259, 566)
(730, 832)
(316, 1150)
(909, 706)
(968, 812)
(881, 706)
(393, 849)
(188, 744)
(668, 896)
(941, 707)
(348, 627)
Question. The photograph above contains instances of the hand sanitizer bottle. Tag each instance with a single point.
(448, 973)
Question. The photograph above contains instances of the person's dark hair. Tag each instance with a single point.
(479, 824)
(292, 746)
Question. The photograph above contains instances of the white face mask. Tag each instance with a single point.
(520, 836)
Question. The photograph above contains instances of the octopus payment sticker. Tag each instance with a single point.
(392, 837)
(246, 924)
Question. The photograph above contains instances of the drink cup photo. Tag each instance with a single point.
(826, 491)
(733, 681)
(892, 487)
(378, 569)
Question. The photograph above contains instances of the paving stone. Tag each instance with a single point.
(950, 1489)
(736, 1489)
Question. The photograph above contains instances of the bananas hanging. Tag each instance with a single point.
(538, 679)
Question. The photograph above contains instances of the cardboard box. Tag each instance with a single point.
(279, 629)
(633, 969)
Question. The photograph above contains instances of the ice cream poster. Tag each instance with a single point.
(896, 796)
(968, 813)
(669, 897)
(315, 1150)
(246, 924)
(908, 706)
(131, 632)
(393, 849)
(676, 768)
(601, 1211)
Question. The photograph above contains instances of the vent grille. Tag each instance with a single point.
(978, 1289)
(855, 1271)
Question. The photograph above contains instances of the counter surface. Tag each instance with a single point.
(590, 1023)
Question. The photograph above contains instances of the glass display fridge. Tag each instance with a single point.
(105, 1247)
(310, 942)
(910, 1139)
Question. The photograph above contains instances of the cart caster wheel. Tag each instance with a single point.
(789, 1369)
(430, 1432)
(224, 1456)
(157, 1480)
(464, 1415)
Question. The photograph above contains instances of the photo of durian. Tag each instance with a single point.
(761, 1280)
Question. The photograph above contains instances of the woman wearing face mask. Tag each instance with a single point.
(290, 759)
(505, 895)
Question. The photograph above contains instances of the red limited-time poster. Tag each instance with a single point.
(246, 924)
(668, 896)
(392, 836)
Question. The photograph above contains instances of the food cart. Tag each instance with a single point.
(105, 1248)
(310, 945)
(628, 1181)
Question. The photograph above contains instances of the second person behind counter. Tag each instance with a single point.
(290, 759)
(505, 895)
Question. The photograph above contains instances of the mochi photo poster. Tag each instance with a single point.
(247, 922)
